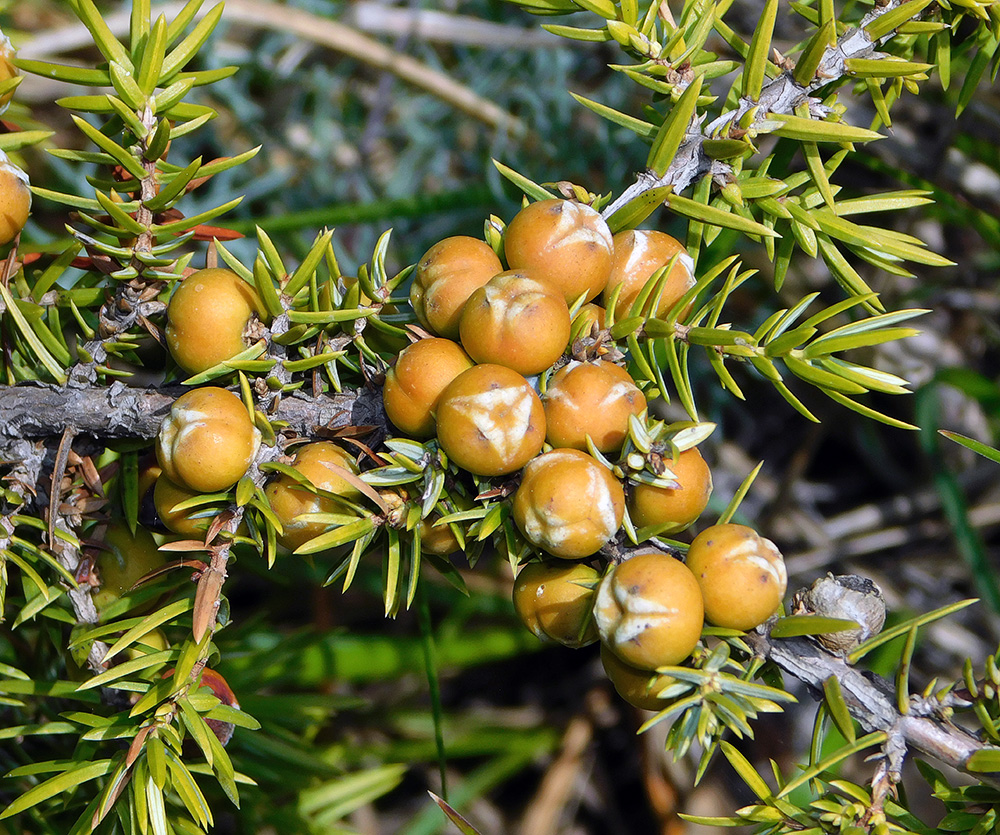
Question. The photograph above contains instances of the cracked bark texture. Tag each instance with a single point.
(119, 412)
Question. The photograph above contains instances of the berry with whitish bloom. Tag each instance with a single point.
(673, 508)
(321, 464)
(555, 600)
(446, 276)
(208, 441)
(208, 317)
(564, 243)
(590, 398)
(640, 253)
(15, 200)
(649, 610)
(414, 384)
(640, 688)
(742, 575)
(516, 321)
(490, 420)
(568, 503)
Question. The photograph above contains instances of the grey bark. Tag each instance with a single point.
(119, 412)
(871, 700)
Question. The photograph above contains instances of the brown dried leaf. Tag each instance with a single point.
(206, 602)
(136, 747)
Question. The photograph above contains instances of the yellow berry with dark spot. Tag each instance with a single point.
(15, 200)
(439, 540)
(192, 522)
(742, 575)
(445, 277)
(638, 255)
(323, 464)
(674, 508)
(590, 398)
(564, 243)
(649, 610)
(568, 503)
(207, 442)
(516, 321)
(555, 600)
(207, 318)
(413, 386)
(640, 688)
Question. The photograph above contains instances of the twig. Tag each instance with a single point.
(209, 591)
(58, 471)
(871, 701)
(556, 788)
(117, 411)
(781, 95)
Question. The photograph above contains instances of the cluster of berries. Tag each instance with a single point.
(472, 386)
(516, 379)
(15, 195)
(649, 610)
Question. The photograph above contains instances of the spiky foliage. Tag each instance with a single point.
(753, 159)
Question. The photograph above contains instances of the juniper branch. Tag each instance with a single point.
(118, 412)
(871, 701)
(782, 95)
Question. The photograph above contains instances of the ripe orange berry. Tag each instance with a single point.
(318, 462)
(437, 539)
(649, 610)
(207, 441)
(7, 69)
(563, 242)
(639, 688)
(193, 522)
(590, 398)
(742, 575)
(445, 278)
(516, 321)
(124, 559)
(568, 503)
(207, 317)
(640, 253)
(555, 600)
(675, 507)
(15, 200)
(490, 421)
(414, 384)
